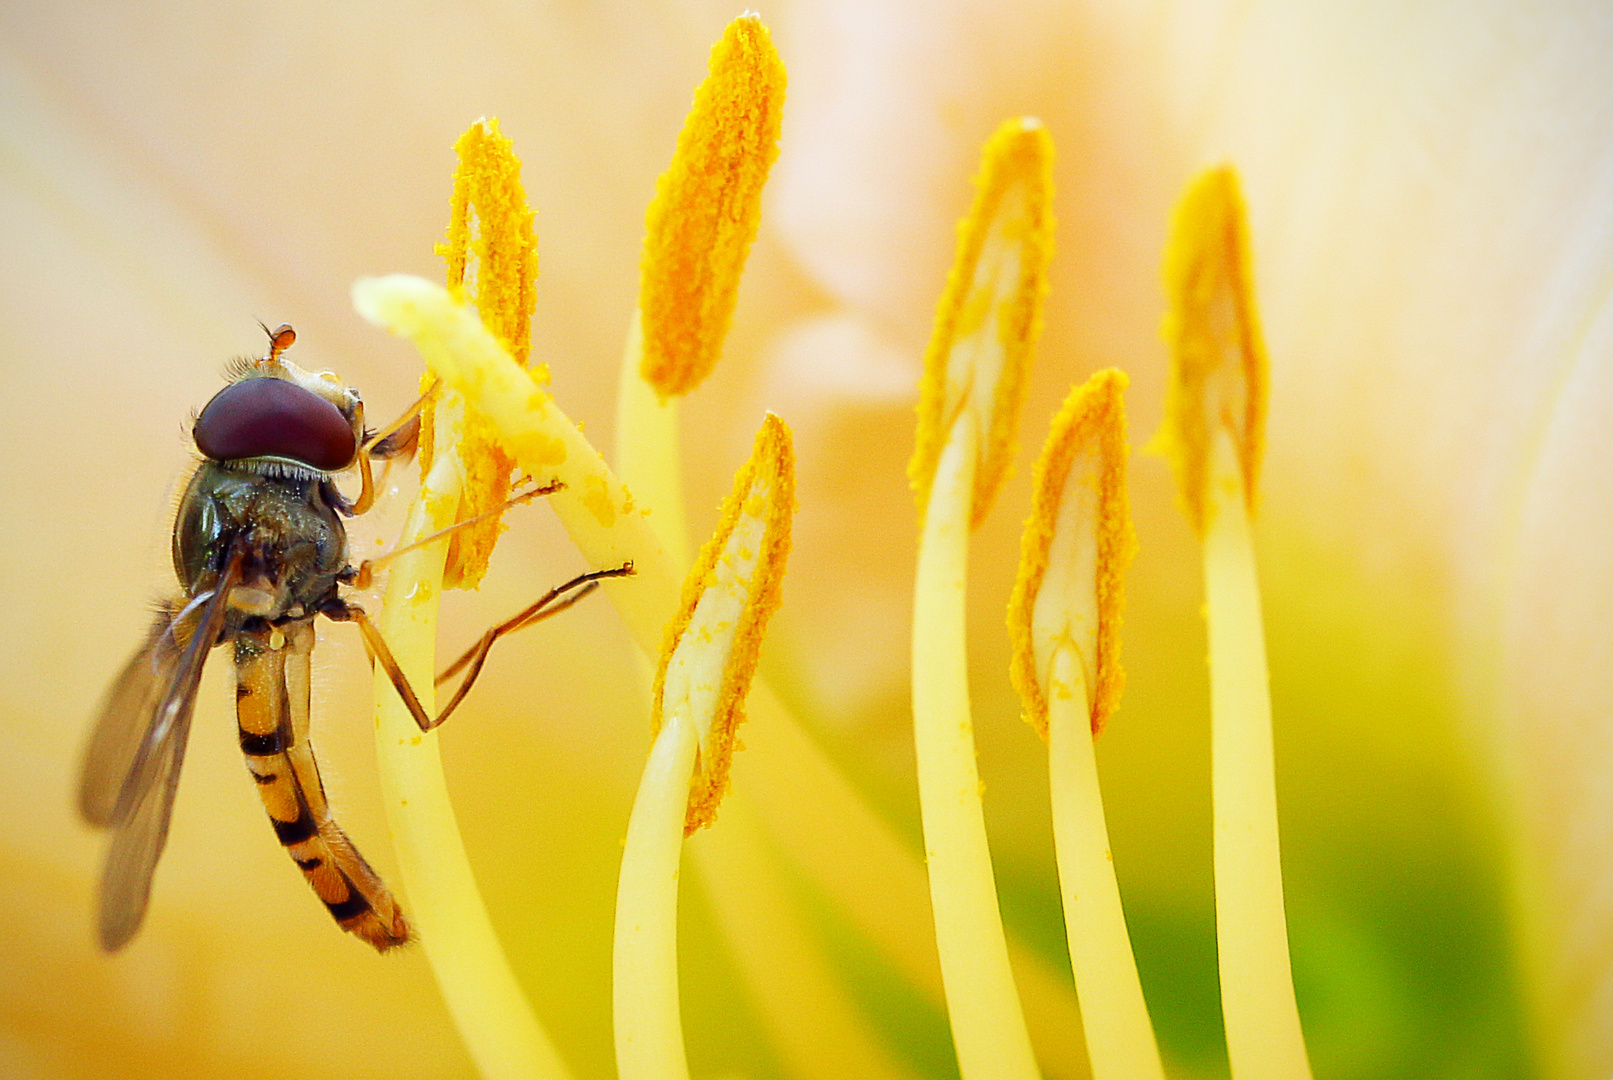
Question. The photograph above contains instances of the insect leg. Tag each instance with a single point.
(339, 610)
(552, 602)
(399, 439)
(272, 699)
(363, 574)
(395, 440)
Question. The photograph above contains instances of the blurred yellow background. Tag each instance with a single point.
(1424, 201)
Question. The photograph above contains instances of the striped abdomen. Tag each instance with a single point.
(271, 704)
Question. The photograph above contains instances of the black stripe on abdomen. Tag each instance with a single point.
(351, 908)
(262, 745)
(294, 832)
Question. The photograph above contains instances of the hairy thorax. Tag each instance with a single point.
(295, 544)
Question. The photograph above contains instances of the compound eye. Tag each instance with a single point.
(274, 418)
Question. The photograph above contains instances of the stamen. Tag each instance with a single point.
(974, 376)
(1073, 558)
(467, 474)
(600, 515)
(1214, 435)
(492, 257)
(707, 208)
(705, 672)
(990, 315)
(1219, 378)
(817, 1025)
(712, 644)
(491, 250)
(648, 450)
(478, 985)
(850, 850)
(1064, 619)
(698, 231)
(647, 459)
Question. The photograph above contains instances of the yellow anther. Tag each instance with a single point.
(990, 315)
(713, 642)
(707, 208)
(1077, 544)
(1219, 380)
(492, 257)
(489, 219)
(1214, 437)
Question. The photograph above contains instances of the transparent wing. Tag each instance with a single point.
(196, 629)
(125, 716)
(137, 844)
(139, 804)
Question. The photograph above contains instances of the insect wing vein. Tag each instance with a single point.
(138, 842)
(124, 719)
(145, 798)
(171, 714)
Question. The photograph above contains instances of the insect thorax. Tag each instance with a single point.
(293, 541)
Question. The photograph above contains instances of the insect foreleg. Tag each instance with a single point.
(395, 440)
(363, 574)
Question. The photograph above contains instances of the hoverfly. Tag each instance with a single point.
(260, 551)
